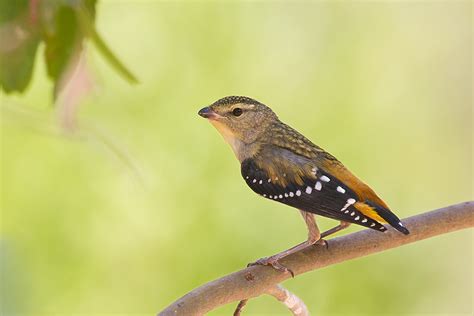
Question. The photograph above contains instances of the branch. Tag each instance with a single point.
(257, 280)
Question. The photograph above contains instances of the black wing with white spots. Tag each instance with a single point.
(322, 194)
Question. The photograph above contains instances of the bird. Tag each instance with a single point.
(280, 164)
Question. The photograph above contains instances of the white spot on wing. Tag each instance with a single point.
(292, 194)
(357, 218)
(364, 220)
(353, 213)
(309, 190)
(280, 196)
(318, 186)
(340, 190)
(298, 193)
(254, 180)
(260, 182)
(349, 202)
(372, 225)
(325, 179)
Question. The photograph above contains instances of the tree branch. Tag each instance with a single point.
(257, 280)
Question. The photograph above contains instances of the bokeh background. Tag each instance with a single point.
(144, 201)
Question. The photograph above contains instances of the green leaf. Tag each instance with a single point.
(63, 42)
(63, 35)
(89, 6)
(16, 65)
(64, 24)
(18, 47)
(10, 9)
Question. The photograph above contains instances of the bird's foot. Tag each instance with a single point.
(322, 242)
(272, 261)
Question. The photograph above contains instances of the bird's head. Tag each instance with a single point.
(240, 120)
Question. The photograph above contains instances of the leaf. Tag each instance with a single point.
(89, 6)
(63, 42)
(18, 48)
(87, 23)
(16, 66)
(64, 24)
(63, 39)
(10, 9)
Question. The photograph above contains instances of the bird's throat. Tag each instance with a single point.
(240, 149)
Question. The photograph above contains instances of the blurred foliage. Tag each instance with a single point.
(62, 25)
(385, 87)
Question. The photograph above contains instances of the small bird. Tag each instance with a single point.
(280, 164)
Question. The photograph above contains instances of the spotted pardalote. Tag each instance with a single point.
(282, 165)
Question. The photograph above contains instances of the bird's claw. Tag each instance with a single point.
(269, 261)
(322, 242)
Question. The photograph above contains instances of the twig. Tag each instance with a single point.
(239, 307)
(257, 280)
(293, 302)
(296, 305)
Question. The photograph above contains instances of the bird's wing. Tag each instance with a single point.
(326, 188)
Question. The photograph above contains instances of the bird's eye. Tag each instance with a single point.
(237, 112)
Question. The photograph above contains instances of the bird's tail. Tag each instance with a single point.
(391, 218)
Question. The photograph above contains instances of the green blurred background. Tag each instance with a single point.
(145, 201)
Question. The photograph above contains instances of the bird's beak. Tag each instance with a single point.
(208, 113)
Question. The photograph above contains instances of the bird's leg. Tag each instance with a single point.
(341, 226)
(314, 237)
